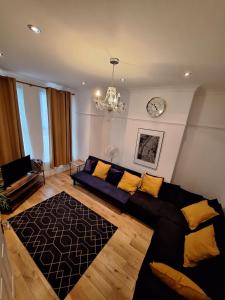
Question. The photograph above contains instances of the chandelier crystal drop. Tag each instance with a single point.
(112, 101)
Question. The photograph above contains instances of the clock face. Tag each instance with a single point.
(156, 106)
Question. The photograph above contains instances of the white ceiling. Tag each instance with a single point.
(156, 41)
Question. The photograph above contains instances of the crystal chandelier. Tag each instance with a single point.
(112, 101)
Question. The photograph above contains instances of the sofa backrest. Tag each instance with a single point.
(169, 192)
(118, 167)
(178, 196)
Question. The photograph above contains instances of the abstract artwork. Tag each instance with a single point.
(148, 147)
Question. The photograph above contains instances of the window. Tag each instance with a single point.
(33, 111)
(24, 123)
(45, 127)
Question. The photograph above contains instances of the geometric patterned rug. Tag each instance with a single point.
(63, 236)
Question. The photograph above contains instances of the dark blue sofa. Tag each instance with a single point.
(107, 188)
(164, 215)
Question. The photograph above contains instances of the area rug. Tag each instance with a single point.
(63, 236)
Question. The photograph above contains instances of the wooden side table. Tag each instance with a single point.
(38, 167)
(77, 164)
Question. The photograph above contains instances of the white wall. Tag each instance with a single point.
(99, 130)
(89, 126)
(95, 133)
(172, 122)
(201, 164)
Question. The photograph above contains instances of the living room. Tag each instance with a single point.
(112, 150)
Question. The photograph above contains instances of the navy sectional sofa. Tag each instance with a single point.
(167, 245)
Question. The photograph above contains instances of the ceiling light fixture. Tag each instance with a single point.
(122, 79)
(33, 28)
(112, 101)
(83, 83)
(98, 94)
(187, 74)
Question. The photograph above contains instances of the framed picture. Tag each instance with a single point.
(148, 147)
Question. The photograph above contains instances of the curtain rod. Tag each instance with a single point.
(31, 84)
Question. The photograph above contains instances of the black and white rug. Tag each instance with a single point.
(63, 236)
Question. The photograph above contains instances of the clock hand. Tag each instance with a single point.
(155, 107)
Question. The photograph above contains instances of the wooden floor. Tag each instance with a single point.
(111, 275)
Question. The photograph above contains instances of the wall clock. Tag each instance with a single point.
(156, 107)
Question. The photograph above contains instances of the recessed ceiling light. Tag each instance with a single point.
(1, 54)
(35, 29)
(83, 83)
(187, 74)
(122, 79)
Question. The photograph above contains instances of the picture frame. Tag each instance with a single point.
(148, 147)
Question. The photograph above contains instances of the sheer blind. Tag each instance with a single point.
(23, 120)
(34, 121)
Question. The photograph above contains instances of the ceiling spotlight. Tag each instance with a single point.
(187, 74)
(122, 79)
(83, 83)
(34, 28)
(1, 54)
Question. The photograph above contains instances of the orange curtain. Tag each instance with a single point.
(59, 103)
(11, 142)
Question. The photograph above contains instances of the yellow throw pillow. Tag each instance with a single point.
(151, 185)
(129, 182)
(198, 213)
(177, 281)
(101, 170)
(200, 245)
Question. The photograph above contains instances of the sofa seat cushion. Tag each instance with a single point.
(102, 186)
(144, 207)
(210, 276)
(170, 212)
(144, 204)
(167, 244)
